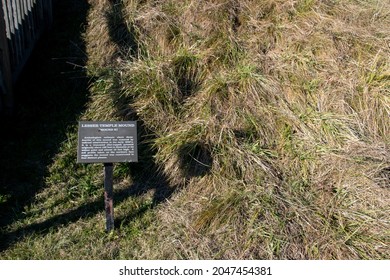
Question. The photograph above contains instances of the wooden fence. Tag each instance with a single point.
(22, 22)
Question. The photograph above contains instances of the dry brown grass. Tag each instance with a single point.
(272, 115)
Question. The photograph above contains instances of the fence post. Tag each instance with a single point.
(6, 93)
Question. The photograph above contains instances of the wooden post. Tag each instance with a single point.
(108, 196)
(5, 66)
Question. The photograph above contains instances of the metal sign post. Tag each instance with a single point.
(109, 196)
(107, 142)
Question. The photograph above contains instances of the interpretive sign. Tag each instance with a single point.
(107, 142)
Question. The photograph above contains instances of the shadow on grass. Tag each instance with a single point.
(146, 174)
(47, 118)
(146, 177)
(195, 159)
(49, 97)
(84, 211)
(121, 33)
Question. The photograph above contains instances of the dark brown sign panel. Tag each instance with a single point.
(107, 141)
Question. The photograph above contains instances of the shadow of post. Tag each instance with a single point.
(86, 210)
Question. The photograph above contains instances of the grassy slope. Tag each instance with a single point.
(268, 119)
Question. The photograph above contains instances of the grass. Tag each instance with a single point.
(264, 135)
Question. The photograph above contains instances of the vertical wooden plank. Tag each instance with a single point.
(23, 44)
(5, 66)
(10, 26)
(4, 8)
(18, 37)
(35, 13)
(35, 17)
(13, 32)
(29, 21)
(18, 40)
(25, 24)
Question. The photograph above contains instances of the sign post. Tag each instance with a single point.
(107, 142)
(108, 196)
